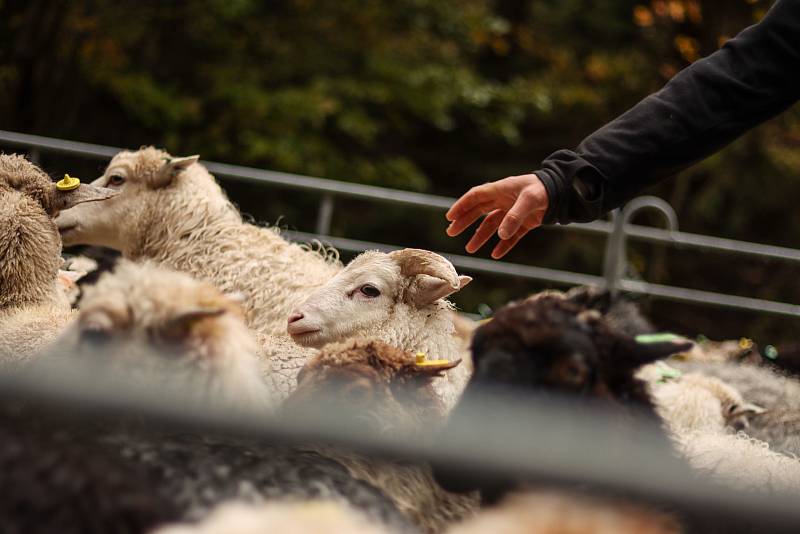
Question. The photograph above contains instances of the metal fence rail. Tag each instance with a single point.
(583, 445)
(329, 189)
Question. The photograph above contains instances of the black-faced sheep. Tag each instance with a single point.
(549, 346)
(171, 210)
(33, 306)
(396, 297)
(552, 345)
(621, 313)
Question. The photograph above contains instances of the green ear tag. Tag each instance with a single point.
(771, 352)
(657, 338)
(665, 372)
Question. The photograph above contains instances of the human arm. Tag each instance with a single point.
(752, 78)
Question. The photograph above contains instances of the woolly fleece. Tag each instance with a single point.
(33, 306)
(147, 310)
(187, 223)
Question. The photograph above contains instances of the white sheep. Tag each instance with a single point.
(33, 303)
(290, 517)
(694, 402)
(772, 390)
(161, 322)
(396, 297)
(172, 211)
(698, 411)
(551, 512)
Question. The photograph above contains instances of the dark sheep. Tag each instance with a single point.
(553, 345)
(125, 476)
(550, 346)
(621, 313)
(57, 480)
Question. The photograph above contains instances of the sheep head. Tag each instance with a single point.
(19, 174)
(136, 177)
(374, 381)
(549, 344)
(365, 294)
(30, 247)
(142, 306)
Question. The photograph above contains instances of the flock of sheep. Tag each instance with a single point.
(246, 318)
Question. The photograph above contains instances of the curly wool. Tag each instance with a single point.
(397, 320)
(58, 480)
(412, 488)
(395, 397)
(191, 226)
(431, 333)
(740, 461)
(695, 408)
(148, 311)
(779, 395)
(693, 402)
(33, 307)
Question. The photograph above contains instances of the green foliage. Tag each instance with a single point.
(432, 95)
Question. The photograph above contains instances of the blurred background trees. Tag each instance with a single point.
(426, 95)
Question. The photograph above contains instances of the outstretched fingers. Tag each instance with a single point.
(505, 245)
(485, 231)
(465, 219)
(527, 203)
(480, 194)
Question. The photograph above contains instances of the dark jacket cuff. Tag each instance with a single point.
(575, 189)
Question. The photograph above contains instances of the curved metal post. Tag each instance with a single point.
(616, 259)
(325, 215)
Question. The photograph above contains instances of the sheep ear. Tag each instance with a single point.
(171, 168)
(180, 325)
(747, 409)
(64, 200)
(426, 289)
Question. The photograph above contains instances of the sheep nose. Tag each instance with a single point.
(294, 317)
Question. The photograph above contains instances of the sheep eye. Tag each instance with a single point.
(732, 409)
(116, 180)
(370, 291)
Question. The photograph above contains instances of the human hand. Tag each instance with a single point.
(513, 207)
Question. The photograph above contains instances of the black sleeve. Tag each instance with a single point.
(752, 78)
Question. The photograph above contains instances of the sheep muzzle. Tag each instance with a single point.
(63, 200)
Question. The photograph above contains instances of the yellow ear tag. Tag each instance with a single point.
(423, 361)
(68, 183)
